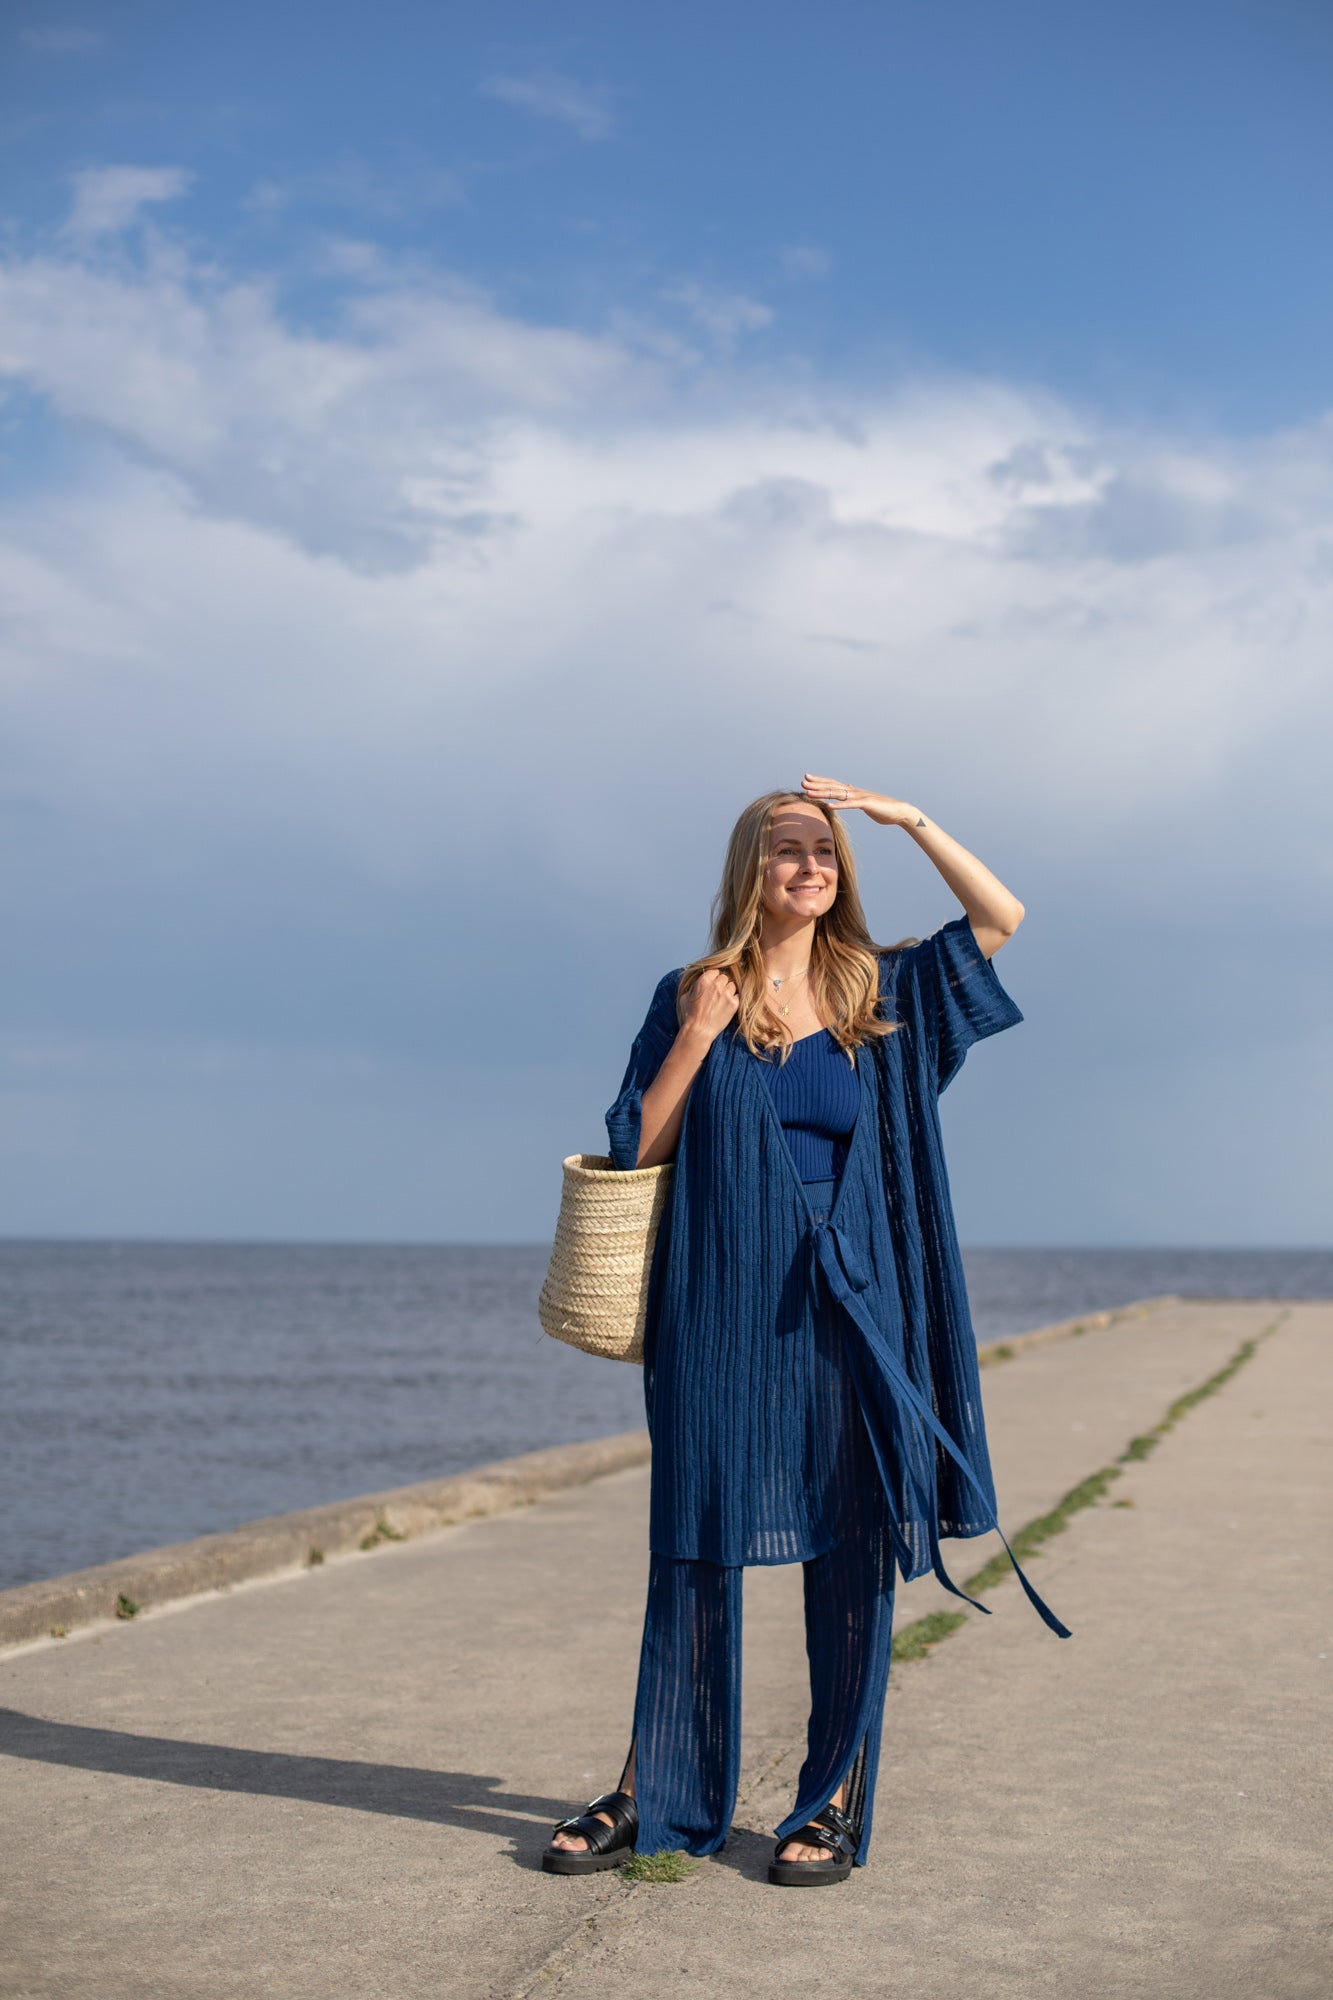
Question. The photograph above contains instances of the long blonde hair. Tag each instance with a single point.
(844, 958)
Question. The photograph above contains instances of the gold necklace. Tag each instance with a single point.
(780, 982)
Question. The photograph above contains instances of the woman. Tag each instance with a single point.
(810, 1369)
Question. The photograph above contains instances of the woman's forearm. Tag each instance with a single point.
(993, 911)
(663, 1104)
(989, 905)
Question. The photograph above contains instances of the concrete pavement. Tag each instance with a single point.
(338, 1783)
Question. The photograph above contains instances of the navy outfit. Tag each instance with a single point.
(810, 1375)
(816, 1094)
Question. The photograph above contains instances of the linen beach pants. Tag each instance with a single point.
(688, 1701)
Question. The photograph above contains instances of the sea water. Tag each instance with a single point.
(150, 1392)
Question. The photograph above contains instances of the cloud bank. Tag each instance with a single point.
(426, 622)
(452, 507)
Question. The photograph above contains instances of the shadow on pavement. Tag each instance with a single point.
(451, 1798)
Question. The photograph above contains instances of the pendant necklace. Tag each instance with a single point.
(778, 984)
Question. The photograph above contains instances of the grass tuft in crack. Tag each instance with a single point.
(667, 1865)
(1185, 1403)
(1139, 1447)
(1030, 1537)
(915, 1640)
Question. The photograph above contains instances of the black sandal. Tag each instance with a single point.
(607, 1845)
(830, 1828)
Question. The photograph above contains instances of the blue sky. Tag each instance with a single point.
(450, 459)
(1122, 200)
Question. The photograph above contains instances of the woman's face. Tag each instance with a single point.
(801, 878)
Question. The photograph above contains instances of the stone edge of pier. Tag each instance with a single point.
(289, 1542)
(286, 1543)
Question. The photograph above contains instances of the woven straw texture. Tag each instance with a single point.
(596, 1291)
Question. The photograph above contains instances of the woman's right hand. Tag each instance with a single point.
(711, 1002)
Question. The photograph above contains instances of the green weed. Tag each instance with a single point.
(1031, 1536)
(382, 1532)
(667, 1865)
(915, 1640)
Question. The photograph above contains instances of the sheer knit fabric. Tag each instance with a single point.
(745, 1411)
(811, 1387)
(687, 1705)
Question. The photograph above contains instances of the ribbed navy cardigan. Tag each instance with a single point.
(735, 1368)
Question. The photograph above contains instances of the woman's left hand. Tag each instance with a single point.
(843, 798)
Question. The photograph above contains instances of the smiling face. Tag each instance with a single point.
(801, 877)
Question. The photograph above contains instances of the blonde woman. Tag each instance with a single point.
(810, 1369)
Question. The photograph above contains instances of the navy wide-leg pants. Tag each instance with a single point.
(687, 1709)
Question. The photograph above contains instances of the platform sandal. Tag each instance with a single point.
(831, 1829)
(607, 1845)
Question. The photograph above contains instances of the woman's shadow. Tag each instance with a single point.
(449, 1798)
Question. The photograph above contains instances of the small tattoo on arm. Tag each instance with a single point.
(920, 821)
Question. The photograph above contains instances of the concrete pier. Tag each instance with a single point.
(337, 1781)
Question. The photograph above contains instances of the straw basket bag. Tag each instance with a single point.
(596, 1290)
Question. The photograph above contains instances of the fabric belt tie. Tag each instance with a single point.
(834, 1255)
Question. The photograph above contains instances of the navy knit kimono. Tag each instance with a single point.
(737, 1401)
(781, 1336)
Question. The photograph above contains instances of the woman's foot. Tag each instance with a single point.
(792, 1849)
(807, 1864)
(601, 1836)
(575, 1842)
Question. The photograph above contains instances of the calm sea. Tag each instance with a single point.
(154, 1391)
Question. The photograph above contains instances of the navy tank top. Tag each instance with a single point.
(816, 1094)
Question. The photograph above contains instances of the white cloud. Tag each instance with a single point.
(352, 186)
(362, 442)
(438, 561)
(723, 314)
(333, 662)
(584, 107)
(805, 260)
(108, 199)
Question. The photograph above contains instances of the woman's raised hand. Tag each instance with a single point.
(843, 798)
(710, 1003)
